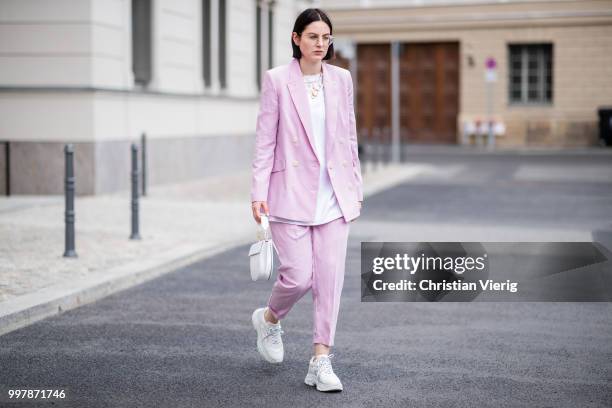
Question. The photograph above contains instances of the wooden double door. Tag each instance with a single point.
(428, 86)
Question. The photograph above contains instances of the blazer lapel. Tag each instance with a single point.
(300, 100)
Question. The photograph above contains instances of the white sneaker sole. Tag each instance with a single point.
(260, 347)
(311, 380)
(327, 388)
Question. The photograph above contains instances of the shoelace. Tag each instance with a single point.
(324, 364)
(275, 332)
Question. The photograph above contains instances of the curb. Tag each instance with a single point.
(28, 309)
(463, 150)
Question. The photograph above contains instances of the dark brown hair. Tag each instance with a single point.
(306, 17)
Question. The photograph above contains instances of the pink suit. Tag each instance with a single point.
(286, 175)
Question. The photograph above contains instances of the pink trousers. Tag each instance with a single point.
(310, 257)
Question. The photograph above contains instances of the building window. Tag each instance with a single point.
(264, 38)
(270, 36)
(530, 73)
(222, 44)
(258, 45)
(206, 42)
(141, 41)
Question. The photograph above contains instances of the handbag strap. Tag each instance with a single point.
(265, 225)
(265, 222)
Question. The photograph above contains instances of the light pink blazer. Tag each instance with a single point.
(285, 166)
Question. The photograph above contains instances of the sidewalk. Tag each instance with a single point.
(179, 225)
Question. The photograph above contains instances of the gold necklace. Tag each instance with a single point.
(314, 89)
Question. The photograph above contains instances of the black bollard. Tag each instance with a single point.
(377, 143)
(7, 160)
(135, 233)
(365, 161)
(386, 145)
(143, 146)
(69, 183)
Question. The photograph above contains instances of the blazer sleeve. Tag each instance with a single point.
(265, 140)
(353, 138)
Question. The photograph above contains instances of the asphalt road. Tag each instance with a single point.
(185, 339)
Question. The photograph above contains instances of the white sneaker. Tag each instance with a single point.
(321, 374)
(269, 341)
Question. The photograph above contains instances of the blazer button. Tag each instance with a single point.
(350, 187)
(344, 163)
(295, 163)
(294, 139)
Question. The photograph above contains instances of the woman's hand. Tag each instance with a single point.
(256, 207)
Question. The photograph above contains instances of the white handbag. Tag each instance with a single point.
(261, 254)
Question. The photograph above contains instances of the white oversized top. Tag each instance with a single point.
(327, 205)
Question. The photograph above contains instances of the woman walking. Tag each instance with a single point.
(307, 179)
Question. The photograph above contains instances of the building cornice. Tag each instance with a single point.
(497, 15)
